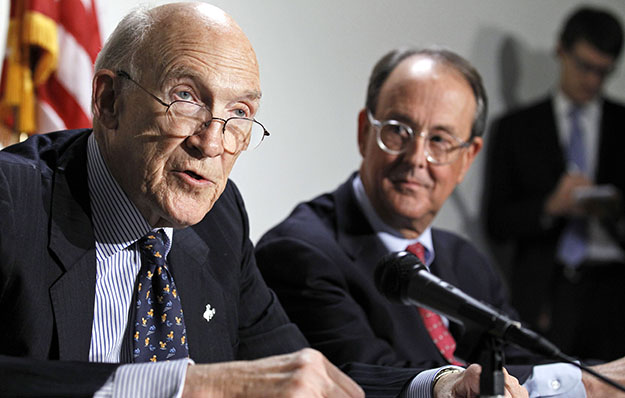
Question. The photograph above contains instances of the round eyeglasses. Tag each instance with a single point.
(238, 133)
(393, 137)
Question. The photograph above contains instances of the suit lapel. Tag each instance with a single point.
(609, 165)
(443, 267)
(354, 234)
(72, 241)
(546, 139)
(207, 331)
(469, 339)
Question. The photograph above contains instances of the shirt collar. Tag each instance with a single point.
(392, 239)
(117, 222)
(563, 105)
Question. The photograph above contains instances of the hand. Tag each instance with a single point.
(467, 385)
(614, 370)
(603, 202)
(562, 202)
(305, 373)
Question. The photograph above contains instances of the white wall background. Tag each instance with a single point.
(316, 56)
(4, 26)
(315, 59)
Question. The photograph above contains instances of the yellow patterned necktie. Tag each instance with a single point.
(159, 332)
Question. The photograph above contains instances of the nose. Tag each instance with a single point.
(415, 153)
(208, 141)
(594, 79)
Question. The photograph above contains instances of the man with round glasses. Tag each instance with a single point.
(418, 135)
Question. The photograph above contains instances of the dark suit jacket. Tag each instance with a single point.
(525, 162)
(320, 261)
(47, 274)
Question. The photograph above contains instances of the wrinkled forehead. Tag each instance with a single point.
(199, 40)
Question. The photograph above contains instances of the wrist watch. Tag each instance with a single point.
(445, 371)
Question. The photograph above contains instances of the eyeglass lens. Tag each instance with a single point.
(238, 133)
(440, 146)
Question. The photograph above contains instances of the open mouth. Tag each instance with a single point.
(194, 175)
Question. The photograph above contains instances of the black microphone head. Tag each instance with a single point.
(392, 273)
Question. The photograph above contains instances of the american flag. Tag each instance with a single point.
(46, 78)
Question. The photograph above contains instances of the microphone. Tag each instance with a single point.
(400, 276)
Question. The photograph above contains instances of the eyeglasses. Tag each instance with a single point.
(588, 67)
(238, 133)
(394, 137)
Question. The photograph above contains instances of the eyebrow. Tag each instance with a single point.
(251, 95)
(182, 73)
(399, 117)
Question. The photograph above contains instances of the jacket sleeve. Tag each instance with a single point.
(321, 298)
(26, 377)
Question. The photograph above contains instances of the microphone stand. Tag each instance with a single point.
(491, 359)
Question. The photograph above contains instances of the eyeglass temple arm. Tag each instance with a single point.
(125, 75)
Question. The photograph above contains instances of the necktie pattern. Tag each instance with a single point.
(439, 333)
(159, 332)
(572, 244)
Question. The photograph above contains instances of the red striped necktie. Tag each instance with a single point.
(439, 333)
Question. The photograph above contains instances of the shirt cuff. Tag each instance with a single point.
(421, 386)
(158, 379)
(556, 380)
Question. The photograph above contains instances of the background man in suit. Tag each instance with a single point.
(418, 135)
(567, 264)
(85, 214)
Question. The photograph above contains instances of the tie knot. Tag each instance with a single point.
(418, 250)
(153, 247)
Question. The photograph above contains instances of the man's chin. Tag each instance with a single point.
(407, 209)
(183, 218)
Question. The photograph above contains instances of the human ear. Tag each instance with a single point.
(363, 130)
(469, 156)
(104, 98)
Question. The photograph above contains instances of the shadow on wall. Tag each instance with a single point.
(523, 74)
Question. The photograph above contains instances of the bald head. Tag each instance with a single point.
(137, 42)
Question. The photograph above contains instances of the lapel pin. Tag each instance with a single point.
(209, 313)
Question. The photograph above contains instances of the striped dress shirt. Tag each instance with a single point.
(118, 225)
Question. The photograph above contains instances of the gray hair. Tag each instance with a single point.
(389, 62)
(124, 46)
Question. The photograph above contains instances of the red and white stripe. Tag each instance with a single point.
(64, 101)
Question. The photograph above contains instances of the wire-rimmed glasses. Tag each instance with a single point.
(239, 133)
(393, 137)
